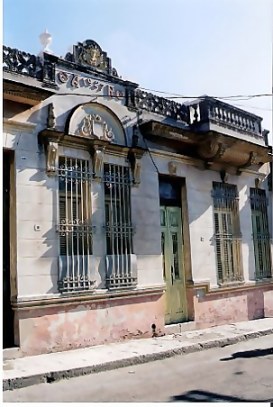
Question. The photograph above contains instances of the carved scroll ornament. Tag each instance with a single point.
(212, 150)
(94, 126)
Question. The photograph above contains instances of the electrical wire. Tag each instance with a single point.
(150, 154)
(231, 97)
(177, 95)
(171, 96)
(254, 107)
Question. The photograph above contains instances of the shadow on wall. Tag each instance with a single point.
(207, 396)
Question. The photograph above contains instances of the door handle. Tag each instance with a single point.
(172, 274)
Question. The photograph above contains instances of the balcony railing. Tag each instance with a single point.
(214, 111)
(205, 110)
(16, 61)
(160, 105)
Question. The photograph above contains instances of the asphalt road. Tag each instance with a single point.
(241, 372)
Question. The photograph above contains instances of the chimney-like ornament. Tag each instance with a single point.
(45, 40)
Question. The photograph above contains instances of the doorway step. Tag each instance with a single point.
(12, 353)
(180, 327)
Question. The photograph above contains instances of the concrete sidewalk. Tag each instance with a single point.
(31, 370)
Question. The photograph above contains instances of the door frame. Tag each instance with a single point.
(175, 283)
(182, 202)
(9, 155)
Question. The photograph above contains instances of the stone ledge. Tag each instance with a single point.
(90, 297)
(205, 286)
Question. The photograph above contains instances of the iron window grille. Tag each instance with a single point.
(75, 228)
(260, 233)
(227, 233)
(120, 271)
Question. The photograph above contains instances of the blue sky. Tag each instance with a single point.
(189, 47)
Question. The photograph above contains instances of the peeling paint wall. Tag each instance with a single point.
(53, 329)
(226, 308)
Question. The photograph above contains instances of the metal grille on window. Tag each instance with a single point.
(227, 233)
(119, 230)
(75, 229)
(260, 235)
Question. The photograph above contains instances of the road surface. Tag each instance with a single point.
(241, 372)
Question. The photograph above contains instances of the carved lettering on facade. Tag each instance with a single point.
(62, 77)
(94, 126)
(77, 81)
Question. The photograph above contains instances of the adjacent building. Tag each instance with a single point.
(126, 213)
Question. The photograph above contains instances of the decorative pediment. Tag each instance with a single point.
(95, 121)
(90, 54)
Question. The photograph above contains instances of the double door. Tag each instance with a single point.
(173, 267)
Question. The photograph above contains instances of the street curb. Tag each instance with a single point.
(49, 377)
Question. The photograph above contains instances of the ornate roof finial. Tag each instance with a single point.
(45, 40)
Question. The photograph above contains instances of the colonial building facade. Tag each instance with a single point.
(125, 213)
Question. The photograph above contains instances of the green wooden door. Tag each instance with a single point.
(173, 270)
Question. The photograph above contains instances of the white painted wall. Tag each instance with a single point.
(37, 200)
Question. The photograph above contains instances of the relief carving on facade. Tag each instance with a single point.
(89, 53)
(212, 149)
(172, 168)
(253, 159)
(51, 158)
(98, 160)
(94, 126)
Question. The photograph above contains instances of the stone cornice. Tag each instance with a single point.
(91, 297)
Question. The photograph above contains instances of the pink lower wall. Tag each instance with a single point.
(57, 328)
(233, 306)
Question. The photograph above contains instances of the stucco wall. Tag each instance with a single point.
(61, 327)
(56, 328)
(229, 307)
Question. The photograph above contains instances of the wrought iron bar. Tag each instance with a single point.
(74, 227)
